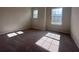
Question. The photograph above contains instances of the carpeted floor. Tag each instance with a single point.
(37, 41)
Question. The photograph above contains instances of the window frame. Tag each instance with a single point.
(54, 23)
(36, 14)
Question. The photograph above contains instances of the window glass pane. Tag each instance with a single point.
(56, 16)
(35, 13)
(57, 12)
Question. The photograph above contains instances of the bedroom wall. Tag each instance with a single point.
(65, 27)
(12, 19)
(44, 20)
(40, 22)
(75, 25)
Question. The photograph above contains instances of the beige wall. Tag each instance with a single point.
(75, 25)
(40, 22)
(44, 20)
(12, 19)
(65, 27)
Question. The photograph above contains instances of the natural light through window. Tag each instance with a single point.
(50, 42)
(20, 32)
(53, 35)
(12, 34)
(56, 16)
(35, 14)
(15, 34)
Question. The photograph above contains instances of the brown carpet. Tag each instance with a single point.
(26, 42)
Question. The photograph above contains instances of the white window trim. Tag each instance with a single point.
(56, 23)
(35, 16)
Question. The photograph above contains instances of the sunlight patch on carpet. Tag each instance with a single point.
(49, 42)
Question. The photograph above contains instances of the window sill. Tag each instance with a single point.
(56, 24)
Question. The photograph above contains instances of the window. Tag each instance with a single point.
(56, 16)
(35, 13)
